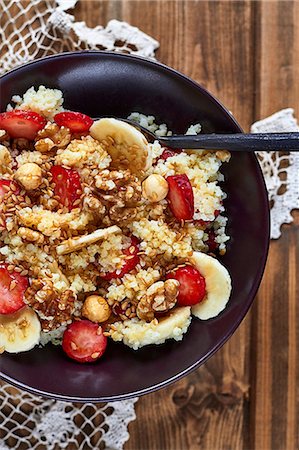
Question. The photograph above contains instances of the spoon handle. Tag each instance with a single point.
(235, 142)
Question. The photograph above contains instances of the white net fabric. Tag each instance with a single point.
(281, 170)
(34, 29)
(30, 422)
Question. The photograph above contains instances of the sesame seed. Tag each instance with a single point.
(73, 345)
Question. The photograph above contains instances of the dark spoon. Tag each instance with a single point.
(232, 142)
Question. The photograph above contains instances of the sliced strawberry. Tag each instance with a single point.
(67, 185)
(22, 123)
(129, 263)
(75, 121)
(12, 289)
(9, 183)
(192, 289)
(84, 341)
(168, 153)
(180, 197)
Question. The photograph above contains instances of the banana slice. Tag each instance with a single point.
(126, 145)
(218, 286)
(137, 333)
(76, 243)
(20, 331)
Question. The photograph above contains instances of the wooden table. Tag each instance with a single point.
(244, 397)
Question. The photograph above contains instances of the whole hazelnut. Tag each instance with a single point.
(155, 188)
(29, 175)
(96, 309)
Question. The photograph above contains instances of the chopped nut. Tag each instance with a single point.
(155, 188)
(44, 145)
(60, 136)
(29, 235)
(3, 135)
(53, 308)
(5, 159)
(119, 187)
(223, 155)
(96, 309)
(95, 205)
(29, 175)
(160, 297)
(76, 243)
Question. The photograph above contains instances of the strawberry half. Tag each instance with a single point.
(129, 263)
(67, 185)
(180, 197)
(84, 341)
(22, 123)
(12, 289)
(192, 289)
(9, 183)
(75, 121)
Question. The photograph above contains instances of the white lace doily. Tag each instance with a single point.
(41, 424)
(281, 170)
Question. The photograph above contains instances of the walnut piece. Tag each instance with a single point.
(160, 297)
(54, 309)
(223, 155)
(5, 158)
(52, 136)
(93, 204)
(120, 192)
(4, 136)
(30, 235)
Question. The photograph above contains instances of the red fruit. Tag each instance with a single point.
(75, 121)
(180, 197)
(22, 123)
(167, 153)
(12, 289)
(192, 289)
(129, 263)
(211, 243)
(67, 185)
(84, 341)
(8, 183)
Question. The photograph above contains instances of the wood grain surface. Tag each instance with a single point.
(246, 396)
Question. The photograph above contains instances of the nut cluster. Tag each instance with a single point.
(52, 136)
(120, 193)
(160, 297)
(54, 309)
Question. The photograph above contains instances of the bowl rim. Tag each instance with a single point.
(260, 272)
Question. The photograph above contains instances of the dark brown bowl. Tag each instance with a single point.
(109, 84)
